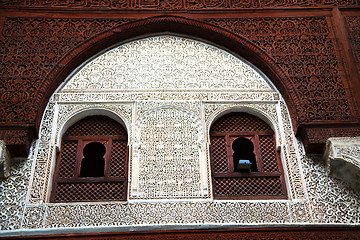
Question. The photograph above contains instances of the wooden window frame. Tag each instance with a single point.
(82, 141)
(253, 136)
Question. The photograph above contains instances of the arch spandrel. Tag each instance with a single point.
(265, 112)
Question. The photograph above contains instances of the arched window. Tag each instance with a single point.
(92, 164)
(244, 160)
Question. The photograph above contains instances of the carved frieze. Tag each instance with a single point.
(174, 4)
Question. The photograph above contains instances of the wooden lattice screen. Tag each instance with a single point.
(68, 186)
(267, 182)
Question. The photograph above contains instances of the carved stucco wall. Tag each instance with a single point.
(167, 90)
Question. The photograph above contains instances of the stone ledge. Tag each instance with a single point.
(4, 160)
(342, 156)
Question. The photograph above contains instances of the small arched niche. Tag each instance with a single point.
(93, 161)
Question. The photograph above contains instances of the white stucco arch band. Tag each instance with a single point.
(81, 112)
(253, 109)
(166, 90)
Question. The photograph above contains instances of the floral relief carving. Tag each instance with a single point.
(331, 200)
(43, 158)
(165, 96)
(34, 217)
(300, 212)
(142, 107)
(166, 213)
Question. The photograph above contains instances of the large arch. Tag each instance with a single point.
(169, 114)
(164, 74)
(178, 25)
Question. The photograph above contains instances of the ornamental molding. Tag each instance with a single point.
(120, 97)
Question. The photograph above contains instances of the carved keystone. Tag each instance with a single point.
(342, 157)
(4, 160)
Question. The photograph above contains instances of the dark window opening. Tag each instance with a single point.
(93, 163)
(243, 151)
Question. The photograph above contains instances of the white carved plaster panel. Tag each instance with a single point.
(166, 62)
(250, 213)
(44, 155)
(292, 154)
(170, 140)
(34, 217)
(65, 97)
(331, 201)
(13, 192)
